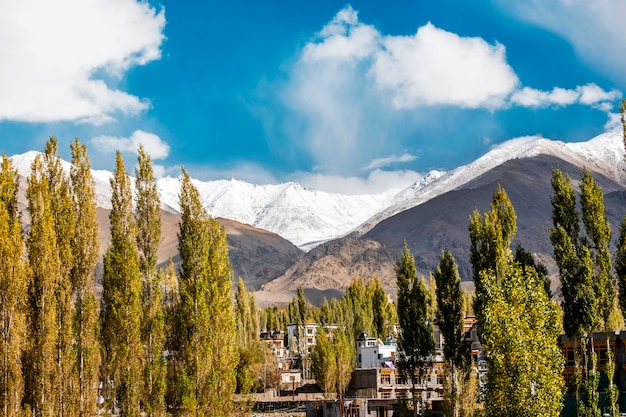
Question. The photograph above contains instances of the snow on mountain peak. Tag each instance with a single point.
(599, 153)
(309, 217)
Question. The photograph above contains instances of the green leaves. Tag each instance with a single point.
(518, 321)
(415, 341)
(121, 298)
(207, 325)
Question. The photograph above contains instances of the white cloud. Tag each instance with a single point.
(594, 28)
(377, 181)
(393, 159)
(51, 53)
(592, 94)
(351, 93)
(355, 93)
(343, 39)
(436, 67)
(152, 144)
(589, 94)
(614, 122)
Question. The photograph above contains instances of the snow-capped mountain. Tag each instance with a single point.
(604, 154)
(308, 217)
(303, 216)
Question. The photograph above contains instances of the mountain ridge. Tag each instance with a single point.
(309, 217)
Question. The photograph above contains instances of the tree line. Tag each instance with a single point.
(519, 322)
(155, 341)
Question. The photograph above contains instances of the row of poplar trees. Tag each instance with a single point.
(519, 323)
(154, 342)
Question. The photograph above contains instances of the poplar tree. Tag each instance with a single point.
(42, 379)
(248, 327)
(588, 286)
(13, 294)
(518, 321)
(344, 356)
(85, 248)
(324, 361)
(449, 316)
(207, 322)
(599, 234)
(122, 308)
(62, 209)
(415, 341)
(250, 348)
(380, 307)
(148, 217)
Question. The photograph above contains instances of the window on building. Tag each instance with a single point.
(569, 355)
(354, 411)
(602, 354)
(381, 412)
(385, 379)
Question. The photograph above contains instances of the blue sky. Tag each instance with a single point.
(345, 97)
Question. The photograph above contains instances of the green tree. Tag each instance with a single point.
(207, 329)
(599, 234)
(148, 218)
(122, 306)
(380, 308)
(519, 333)
(585, 271)
(490, 240)
(344, 355)
(449, 316)
(415, 341)
(359, 303)
(525, 259)
(85, 248)
(620, 266)
(332, 360)
(324, 361)
(13, 290)
(247, 315)
(251, 352)
(61, 204)
(518, 321)
(42, 383)
(599, 238)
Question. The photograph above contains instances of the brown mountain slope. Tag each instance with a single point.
(443, 221)
(328, 269)
(257, 256)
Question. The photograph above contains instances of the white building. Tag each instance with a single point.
(302, 338)
(374, 353)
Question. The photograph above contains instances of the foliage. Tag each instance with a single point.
(148, 218)
(121, 298)
(585, 270)
(324, 361)
(519, 323)
(247, 315)
(207, 325)
(519, 338)
(13, 287)
(449, 316)
(41, 376)
(415, 342)
(85, 247)
(332, 360)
